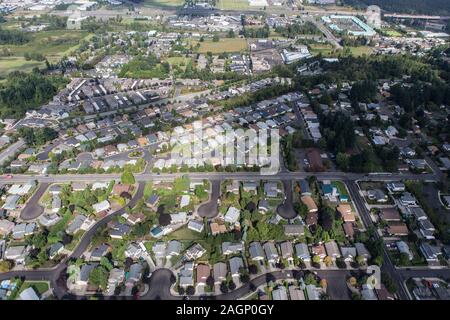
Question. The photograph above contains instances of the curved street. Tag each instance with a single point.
(55, 275)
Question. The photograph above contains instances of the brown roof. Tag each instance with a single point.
(309, 202)
(397, 228)
(118, 189)
(137, 217)
(217, 228)
(110, 149)
(315, 161)
(390, 214)
(348, 229)
(203, 272)
(318, 250)
(346, 212)
(312, 218)
(142, 141)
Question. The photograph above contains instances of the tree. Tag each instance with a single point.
(360, 260)
(328, 261)
(106, 263)
(210, 281)
(180, 290)
(245, 278)
(404, 259)
(216, 38)
(5, 266)
(252, 269)
(190, 291)
(223, 287)
(231, 285)
(127, 177)
(316, 259)
(99, 277)
(390, 285)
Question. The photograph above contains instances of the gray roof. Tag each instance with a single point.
(256, 250)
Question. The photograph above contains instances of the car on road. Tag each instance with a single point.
(8, 176)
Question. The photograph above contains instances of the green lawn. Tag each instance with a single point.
(224, 45)
(178, 62)
(39, 286)
(163, 3)
(359, 51)
(341, 187)
(185, 234)
(233, 4)
(324, 49)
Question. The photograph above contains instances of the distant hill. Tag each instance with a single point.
(431, 7)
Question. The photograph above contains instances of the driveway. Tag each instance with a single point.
(32, 208)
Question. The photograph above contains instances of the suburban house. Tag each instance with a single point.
(220, 272)
(302, 252)
(236, 264)
(203, 272)
(232, 248)
(271, 252)
(332, 249)
(308, 201)
(256, 251)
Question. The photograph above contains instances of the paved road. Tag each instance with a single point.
(212, 176)
(160, 283)
(9, 152)
(87, 236)
(387, 266)
(210, 208)
(286, 209)
(57, 274)
(33, 209)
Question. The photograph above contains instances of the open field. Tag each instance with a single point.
(233, 5)
(52, 44)
(324, 49)
(10, 64)
(359, 51)
(163, 3)
(224, 45)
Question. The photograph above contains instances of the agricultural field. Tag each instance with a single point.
(224, 45)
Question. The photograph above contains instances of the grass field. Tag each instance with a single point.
(178, 62)
(224, 45)
(52, 44)
(359, 51)
(324, 49)
(163, 3)
(392, 33)
(233, 4)
(10, 64)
